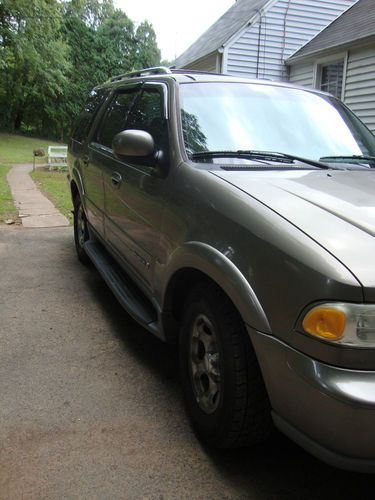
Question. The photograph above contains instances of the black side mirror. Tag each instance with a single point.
(133, 143)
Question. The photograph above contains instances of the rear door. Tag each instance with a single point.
(91, 174)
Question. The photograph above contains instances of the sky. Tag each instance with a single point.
(177, 23)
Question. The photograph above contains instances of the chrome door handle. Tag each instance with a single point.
(116, 179)
(86, 160)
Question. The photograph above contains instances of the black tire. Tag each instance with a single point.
(216, 347)
(81, 232)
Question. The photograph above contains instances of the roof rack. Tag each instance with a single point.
(157, 70)
(183, 71)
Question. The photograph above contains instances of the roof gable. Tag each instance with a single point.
(354, 24)
(230, 23)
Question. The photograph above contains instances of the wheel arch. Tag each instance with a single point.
(195, 262)
(74, 190)
(76, 184)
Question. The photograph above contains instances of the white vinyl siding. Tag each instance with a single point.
(302, 74)
(261, 49)
(208, 63)
(359, 92)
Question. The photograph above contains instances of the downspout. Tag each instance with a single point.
(345, 73)
(228, 44)
(223, 51)
(258, 49)
(285, 71)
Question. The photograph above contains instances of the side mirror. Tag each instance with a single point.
(133, 143)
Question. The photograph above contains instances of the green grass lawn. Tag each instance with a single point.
(54, 185)
(7, 209)
(19, 149)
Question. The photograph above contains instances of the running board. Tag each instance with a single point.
(131, 299)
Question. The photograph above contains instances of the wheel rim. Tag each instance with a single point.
(205, 364)
(81, 226)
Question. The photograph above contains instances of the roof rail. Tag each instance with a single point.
(157, 70)
(187, 71)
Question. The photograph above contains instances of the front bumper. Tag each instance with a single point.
(329, 411)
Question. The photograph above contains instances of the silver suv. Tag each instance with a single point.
(237, 218)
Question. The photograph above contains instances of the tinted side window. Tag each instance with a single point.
(147, 114)
(83, 124)
(115, 118)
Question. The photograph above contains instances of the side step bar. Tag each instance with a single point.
(126, 293)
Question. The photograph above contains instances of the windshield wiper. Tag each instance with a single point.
(349, 158)
(258, 155)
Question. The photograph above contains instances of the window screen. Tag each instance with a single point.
(332, 77)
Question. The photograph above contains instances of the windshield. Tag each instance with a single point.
(248, 116)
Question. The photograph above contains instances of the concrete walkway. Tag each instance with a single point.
(35, 210)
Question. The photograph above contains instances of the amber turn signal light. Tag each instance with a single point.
(325, 322)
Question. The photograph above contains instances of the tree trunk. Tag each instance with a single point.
(18, 120)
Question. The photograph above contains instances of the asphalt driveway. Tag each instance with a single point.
(91, 406)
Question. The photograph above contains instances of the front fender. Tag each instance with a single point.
(221, 270)
(77, 178)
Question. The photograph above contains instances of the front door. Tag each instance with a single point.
(133, 188)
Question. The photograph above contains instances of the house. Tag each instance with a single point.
(341, 60)
(254, 37)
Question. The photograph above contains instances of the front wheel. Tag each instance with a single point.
(223, 387)
(81, 232)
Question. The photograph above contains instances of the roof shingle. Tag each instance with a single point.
(232, 21)
(356, 23)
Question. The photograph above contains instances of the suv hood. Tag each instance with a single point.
(335, 208)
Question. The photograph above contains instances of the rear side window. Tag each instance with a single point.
(115, 119)
(83, 124)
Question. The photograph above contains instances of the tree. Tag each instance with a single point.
(85, 61)
(147, 52)
(34, 62)
(195, 139)
(52, 52)
(91, 12)
(116, 44)
(109, 46)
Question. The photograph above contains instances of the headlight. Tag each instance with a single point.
(340, 323)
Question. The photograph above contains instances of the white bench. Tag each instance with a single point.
(57, 157)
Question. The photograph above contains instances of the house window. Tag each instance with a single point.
(332, 77)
